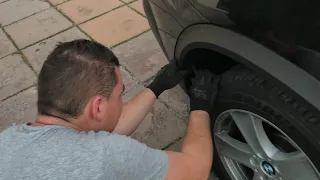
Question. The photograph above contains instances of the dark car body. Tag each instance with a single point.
(279, 39)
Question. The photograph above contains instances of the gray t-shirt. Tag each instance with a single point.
(60, 153)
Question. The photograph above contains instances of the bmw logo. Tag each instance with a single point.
(268, 169)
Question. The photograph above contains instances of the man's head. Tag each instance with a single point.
(81, 82)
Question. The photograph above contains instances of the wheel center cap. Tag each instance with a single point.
(268, 169)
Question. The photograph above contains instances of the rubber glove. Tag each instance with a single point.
(203, 91)
(167, 77)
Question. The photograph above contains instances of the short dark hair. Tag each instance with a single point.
(72, 73)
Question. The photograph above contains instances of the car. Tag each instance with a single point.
(267, 53)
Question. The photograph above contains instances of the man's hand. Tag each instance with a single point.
(167, 77)
(203, 91)
(196, 159)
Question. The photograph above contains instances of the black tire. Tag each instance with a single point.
(243, 89)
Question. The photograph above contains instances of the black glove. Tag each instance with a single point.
(167, 77)
(204, 90)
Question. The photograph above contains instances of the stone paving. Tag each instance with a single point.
(31, 28)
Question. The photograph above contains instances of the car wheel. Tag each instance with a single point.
(257, 134)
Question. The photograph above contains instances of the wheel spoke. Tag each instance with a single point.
(235, 150)
(259, 176)
(294, 166)
(253, 132)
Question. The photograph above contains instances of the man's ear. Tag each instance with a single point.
(96, 107)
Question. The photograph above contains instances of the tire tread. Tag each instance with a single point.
(247, 87)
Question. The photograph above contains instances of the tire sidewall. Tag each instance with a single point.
(242, 89)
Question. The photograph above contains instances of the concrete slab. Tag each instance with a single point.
(132, 93)
(82, 10)
(6, 47)
(15, 10)
(127, 1)
(178, 100)
(38, 53)
(176, 146)
(37, 27)
(142, 56)
(15, 76)
(18, 109)
(55, 2)
(160, 126)
(116, 26)
(138, 6)
(128, 80)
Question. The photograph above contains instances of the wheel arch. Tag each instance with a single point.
(252, 55)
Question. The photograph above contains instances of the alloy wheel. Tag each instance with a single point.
(252, 148)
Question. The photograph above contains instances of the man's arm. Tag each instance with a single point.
(195, 160)
(134, 112)
(137, 108)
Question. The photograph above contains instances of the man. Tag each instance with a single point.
(81, 127)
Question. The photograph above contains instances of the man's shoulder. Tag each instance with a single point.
(117, 140)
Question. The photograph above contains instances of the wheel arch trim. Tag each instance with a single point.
(251, 54)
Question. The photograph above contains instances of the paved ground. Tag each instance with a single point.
(31, 28)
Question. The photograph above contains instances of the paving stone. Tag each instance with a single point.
(15, 76)
(14, 10)
(178, 100)
(37, 27)
(132, 93)
(142, 56)
(138, 6)
(116, 26)
(127, 1)
(19, 109)
(38, 53)
(160, 127)
(176, 146)
(82, 10)
(55, 2)
(128, 80)
(6, 47)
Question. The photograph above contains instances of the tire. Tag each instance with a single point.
(242, 89)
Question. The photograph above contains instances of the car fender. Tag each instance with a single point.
(251, 54)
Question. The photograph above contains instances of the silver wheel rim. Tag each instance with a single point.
(257, 157)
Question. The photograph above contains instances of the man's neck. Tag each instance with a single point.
(43, 120)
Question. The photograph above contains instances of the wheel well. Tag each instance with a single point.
(210, 59)
(251, 54)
